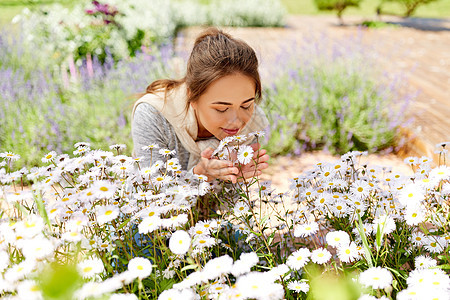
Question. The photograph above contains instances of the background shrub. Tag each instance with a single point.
(334, 98)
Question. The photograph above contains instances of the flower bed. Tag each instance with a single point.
(136, 230)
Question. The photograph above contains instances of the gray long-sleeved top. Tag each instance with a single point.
(149, 126)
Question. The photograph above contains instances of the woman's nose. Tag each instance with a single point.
(235, 121)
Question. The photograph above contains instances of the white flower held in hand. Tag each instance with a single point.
(245, 154)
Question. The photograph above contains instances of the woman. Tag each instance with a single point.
(217, 98)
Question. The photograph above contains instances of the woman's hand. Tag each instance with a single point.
(255, 167)
(214, 168)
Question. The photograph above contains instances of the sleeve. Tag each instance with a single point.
(148, 127)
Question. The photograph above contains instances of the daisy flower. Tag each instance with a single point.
(336, 238)
(107, 213)
(298, 259)
(72, 236)
(434, 244)
(10, 156)
(348, 253)
(386, 224)
(241, 208)
(166, 152)
(103, 189)
(414, 215)
(360, 189)
(204, 241)
(19, 271)
(320, 256)
(49, 157)
(37, 248)
(424, 262)
(305, 230)
(440, 173)
(417, 238)
(245, 154)
(376, 277)
(411, 194)
(149, 224)
(411, 160)
(29, 289)
(30, 227)
(244, 264)
(256, 285)
(90, 267)
(218, 266)
(179, 242)
(118, 147)
(140, 267)
(298, 286)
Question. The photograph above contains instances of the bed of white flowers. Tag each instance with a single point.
(99, 225)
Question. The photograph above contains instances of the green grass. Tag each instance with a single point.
(438, 9)
(11, 8)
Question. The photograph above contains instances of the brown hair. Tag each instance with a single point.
(215, 54)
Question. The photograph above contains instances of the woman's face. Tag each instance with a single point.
(226, 106)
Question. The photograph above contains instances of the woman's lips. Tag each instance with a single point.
(230, 131)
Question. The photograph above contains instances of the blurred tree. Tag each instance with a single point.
(409, 5)
(338, 5)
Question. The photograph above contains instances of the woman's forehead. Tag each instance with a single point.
(229, 90)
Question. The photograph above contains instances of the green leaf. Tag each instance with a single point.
(367, 252)
(42, 210)
(189, 267)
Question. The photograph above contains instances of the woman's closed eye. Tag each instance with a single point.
(222, 111)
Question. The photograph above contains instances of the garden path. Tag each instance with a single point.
(418, 49)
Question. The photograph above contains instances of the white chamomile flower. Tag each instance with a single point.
(244, 264)
(414, 215)
(376, 277)
(241, 208)
(305, 230)
(107, 213)
(385, 223)
(150, 147)
(166, 152)
(424, 262)
(411, 194)
(298, 259)
(336, 238)
(218, 266)
(360, 189)
(348, 252)
(320, 256)
(29, 289)
(103, 189)
(9, 156)
(37, 248)
(440, 173)
(49, 157)
(411, 160)
(417, 238)
(298, 286)
(149, 224)
(245, 154)
(179, 242)
(90, 267)
(140, 267)
(118, 147)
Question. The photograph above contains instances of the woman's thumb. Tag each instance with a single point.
(207, 152)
